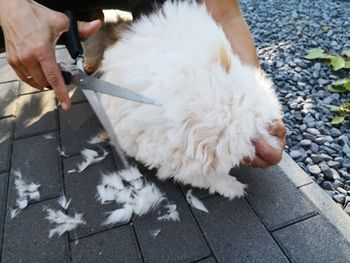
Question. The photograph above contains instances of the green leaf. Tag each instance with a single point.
(333, 107)
(346, 53)
(337, 89)
(347, 86)
(315, 53)
(347, 64)
(340, 82)
(338, 119)
(337, 63)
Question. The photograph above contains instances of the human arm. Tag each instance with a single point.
(31, 32)
(228, 14)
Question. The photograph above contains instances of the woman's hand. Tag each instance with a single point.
(31, 32)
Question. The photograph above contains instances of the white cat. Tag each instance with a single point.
(213, 106)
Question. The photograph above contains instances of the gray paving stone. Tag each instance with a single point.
(77, 126)
(8, 94)
(116, 245)
(274, 197)
(38, 160)
(177, 241)
(3, 187)
(313, 240)
(6, 72)
(207, 260)
(6, 127)
(328, 208)
(81, 187)
(235, 233)
(24, 88)
(26, 237)
(36, 113)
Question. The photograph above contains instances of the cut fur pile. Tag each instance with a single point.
(213, 106)
(129, 189)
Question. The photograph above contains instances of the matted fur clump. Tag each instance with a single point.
(212, 104)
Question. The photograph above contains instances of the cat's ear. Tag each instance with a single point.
(222, 57)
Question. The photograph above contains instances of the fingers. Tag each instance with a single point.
(54, 77)
(86, 29)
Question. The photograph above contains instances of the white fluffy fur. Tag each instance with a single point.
(171, 215)
(64, 223)
(210, 111)
(195, 202)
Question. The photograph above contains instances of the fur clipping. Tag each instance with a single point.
(122, 215)
(195, 202)
(213, 106)
(64, 223)
(90, 157)
(171, 214)
(63, 202)
(25, 193)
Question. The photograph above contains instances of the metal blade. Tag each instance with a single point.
(86, 82)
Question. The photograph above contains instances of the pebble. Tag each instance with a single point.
(346, 163)
(335, 132)
(314, 169)
(328, 186)
(333, 164)
(305, 143)
(342, 191)
(339, 198)
(295, 154)
(313, 131)
(347, 209)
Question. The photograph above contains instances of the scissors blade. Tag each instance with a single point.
(86, 82)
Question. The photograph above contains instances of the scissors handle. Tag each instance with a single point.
(71, 38)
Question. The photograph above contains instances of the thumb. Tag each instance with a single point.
(86, 29)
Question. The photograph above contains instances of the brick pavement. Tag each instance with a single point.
(274, 223)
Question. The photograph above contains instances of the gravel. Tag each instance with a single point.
(283, 32)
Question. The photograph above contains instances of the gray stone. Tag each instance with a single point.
(269, 191)
(305, 143)
(346, 163)
(33, 229)
(339, 198)
(296, 242)
(328, 186)
(320, 140)
(313, 131)
(331, 174)
(309, 136)
(314, 148)
(295, 154)
(342, 191)
(346, 149)
(335, 132)
(6, 126)
(338, 183)
(8, 94)
(36, 113)
(115, 245)
(316, 158)
(250, 237)
(333, 164)
(314, 169)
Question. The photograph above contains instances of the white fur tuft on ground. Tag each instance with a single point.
(195, 202)
(63, 202)
(64, 223)
(171, 214)
(90, 157)
(25, 193)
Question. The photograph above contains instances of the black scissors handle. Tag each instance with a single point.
(71, 38)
